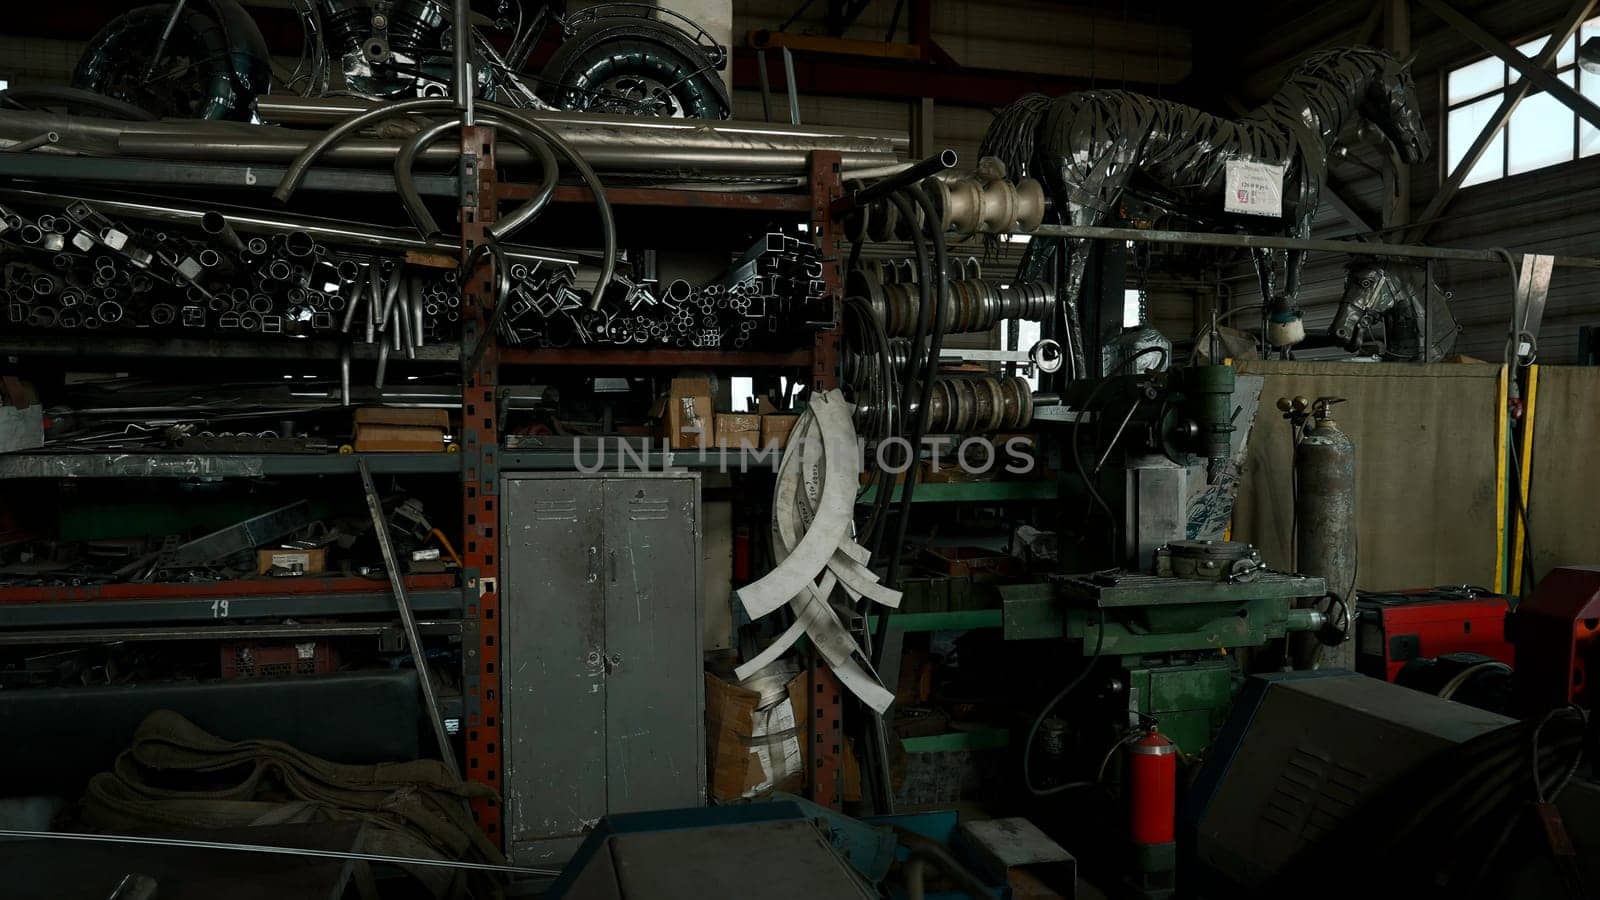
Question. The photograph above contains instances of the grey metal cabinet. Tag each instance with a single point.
(601, 661)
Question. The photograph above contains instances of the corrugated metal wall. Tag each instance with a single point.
(1556, 209)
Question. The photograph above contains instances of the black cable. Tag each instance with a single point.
(886, 479)
(919, 426)
(1088, 405)
(1033, 730)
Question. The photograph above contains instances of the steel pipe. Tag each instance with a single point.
(328, 230)
(503, 228)
(291, 110)
(942, 161)
(35, 142)
(267, 147)
(1270, 242)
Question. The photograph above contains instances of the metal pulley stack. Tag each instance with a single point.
(981, 405)
(975, 304)
(983, 201)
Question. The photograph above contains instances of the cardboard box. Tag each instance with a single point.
(383, 430)
(775, 428)
(687, 419)
(733, 766)
(735, 430)
(308, 562)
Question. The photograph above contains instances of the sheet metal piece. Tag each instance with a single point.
(1533, 289)
(806, 484)
(832, 524)
(246, 535)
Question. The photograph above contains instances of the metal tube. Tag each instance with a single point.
(508, 224)
(402, 312)
(383, 363)
(790, 88)
(269, 148)
(577, 127)
(390, 291)
(461, 43)
(608, 224)
(344, 375)
(267, 848)
(939, 162)
(324, 230)
(374, 300)
(215, 225)
(1265, 242)
(417, 327)
(355, 300)
(35, 142)
(296, 171)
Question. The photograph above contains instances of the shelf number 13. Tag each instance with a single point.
(219, 609)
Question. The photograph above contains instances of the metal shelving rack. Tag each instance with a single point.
(484, 459)
(470, 606)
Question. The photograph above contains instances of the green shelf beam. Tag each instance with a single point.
(951, 620)
(986, 738)
(971, 491)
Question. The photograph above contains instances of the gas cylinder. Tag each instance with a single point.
(1325, 521)
(1152, 789)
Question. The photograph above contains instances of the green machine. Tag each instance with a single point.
(1155, 613)
(1140, 452)
(1171, 631)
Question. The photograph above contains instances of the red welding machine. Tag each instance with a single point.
(1398, 627)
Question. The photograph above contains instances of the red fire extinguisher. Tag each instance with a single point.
(1152, 789)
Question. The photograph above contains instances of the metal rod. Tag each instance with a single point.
(161, 42)
(344, 374)
(330, 231)
(1267, 242)
(461, 44)
(34, 143)
(943, 160)
(383, 363)
(216, 225)
(582, 128)
(268, 147)
(766, 88)
(397, 583)
(280, 851)
(789, 86)
(355, 300)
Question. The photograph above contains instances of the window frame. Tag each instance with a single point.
(1591, 27)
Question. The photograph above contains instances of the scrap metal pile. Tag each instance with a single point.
(773, 289)
(82, 253)
(75, 268)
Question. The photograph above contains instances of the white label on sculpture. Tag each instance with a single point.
(1254, 188)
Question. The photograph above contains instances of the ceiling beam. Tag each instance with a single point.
(1514, 96)
(849, 76)
(1533, 71)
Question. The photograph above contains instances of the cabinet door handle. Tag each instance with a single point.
(612, 556)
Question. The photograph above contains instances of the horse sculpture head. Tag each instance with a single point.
(1391, 104)
(1369, 291)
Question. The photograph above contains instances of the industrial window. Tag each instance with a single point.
(1542, 132)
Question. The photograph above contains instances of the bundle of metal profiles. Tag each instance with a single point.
(725, 153)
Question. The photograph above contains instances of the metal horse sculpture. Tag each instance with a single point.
(1096, 149)
(1386, 291)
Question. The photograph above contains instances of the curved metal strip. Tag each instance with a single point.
(832, 524)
